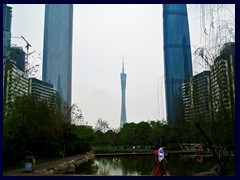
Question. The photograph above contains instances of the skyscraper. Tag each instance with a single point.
(123, 87)
(222, 77)
(7, 18)
(177, 57)
(196, 97)
(7, 23)
(57, 50)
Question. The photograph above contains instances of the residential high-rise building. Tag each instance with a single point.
(197, 97)
(222, 78)
(42, 90)
(123, 87)
(177, 57)
(15, 82)
(7, 21)
(57, 50)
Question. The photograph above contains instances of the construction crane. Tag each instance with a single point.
(27, 47)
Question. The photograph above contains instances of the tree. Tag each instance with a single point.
(27, 122)
(157, 133)
(110, 137)
(128, 135)
(85, 133)
(41, 128)
(102, 125)
(217, 33)
(143, 133)
(77, 116)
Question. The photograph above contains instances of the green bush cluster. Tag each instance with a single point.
(40, 128)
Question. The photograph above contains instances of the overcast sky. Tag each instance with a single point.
(101, 35)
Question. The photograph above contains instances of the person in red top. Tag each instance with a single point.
(156, 160)
(162, 160)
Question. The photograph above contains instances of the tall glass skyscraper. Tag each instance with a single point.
(7, 23)
(57, 50)
(177, 57)
(7, 18)
(123, 86)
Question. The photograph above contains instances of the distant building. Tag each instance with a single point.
(187, 99)
(123, 88)
(222, 78)
(7, 18)
(42, 90)
(177, 57)
(7, 21)
(15, 82)
(18, 56)
(197, 96)
(207, 92)
(6, 44)
(57, 49)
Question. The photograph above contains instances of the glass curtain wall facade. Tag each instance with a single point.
(57, 50)
(7, 23)
(7, 18)
(177, 57)
(123, 87)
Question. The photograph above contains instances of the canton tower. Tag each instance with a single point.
(177, 57)
(123, 87)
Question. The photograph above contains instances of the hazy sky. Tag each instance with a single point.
(101, 35)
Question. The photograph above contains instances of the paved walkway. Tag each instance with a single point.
(49, 165)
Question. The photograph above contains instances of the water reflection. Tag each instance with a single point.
(142, 165)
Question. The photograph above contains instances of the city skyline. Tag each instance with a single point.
(101, 34)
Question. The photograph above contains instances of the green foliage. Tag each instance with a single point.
(42, 129)
(85, 133)
(145, 134)
(157, 134)
(223, 135)
(128, 136)
(220, 136)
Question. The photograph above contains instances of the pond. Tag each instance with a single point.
(143, 165)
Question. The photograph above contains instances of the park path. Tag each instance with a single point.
(49, 165)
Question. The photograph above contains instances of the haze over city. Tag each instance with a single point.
(102, 34)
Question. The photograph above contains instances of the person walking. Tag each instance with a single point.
(162, 160)
(156, 160)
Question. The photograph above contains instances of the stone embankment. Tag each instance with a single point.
(66, 167)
